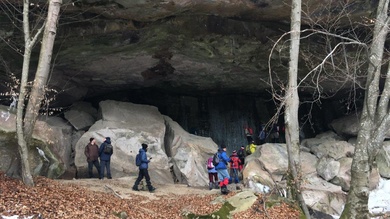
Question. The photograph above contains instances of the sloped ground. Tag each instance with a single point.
(93, 198)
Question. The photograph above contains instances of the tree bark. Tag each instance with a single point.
(373, 121)
(43, 70)
(24, 120)
(291, 110)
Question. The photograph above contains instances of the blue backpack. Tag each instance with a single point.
(138, 160)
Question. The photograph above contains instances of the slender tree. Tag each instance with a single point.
(374, 120)
(291, 109)
(26, 118)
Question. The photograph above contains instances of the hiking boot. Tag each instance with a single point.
(211, 185)
(135, 189)
(152, 189)
(216, 186)
(109, 177)
(224, 190)
(238, 188)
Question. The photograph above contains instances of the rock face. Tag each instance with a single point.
(177, 155)
(51, 134)
(189, 154)
(108, 46)
(383, 160)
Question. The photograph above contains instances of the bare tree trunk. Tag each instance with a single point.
(372, 122)
(41, 76)
(22, 145)
(291, 110)
(24, 122)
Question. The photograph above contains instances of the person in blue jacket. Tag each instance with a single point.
(143, 170)
(223, 174)
(105, 159)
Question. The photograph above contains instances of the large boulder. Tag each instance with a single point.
(80, 120)
(347, 125)
(274, 158)
(343, 177)
(189, 154)
(51, 134)
(383, 160)
(333, 149)
(322, 195)
(308, 163)
(128, 125)
(81, 115)
(177, 155)
(327, 168)
(254, 174)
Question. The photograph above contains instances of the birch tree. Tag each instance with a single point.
(374, 120)
(291, 110)
(26, 118)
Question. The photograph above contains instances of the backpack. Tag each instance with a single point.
(138, 160)
(210, 164)
(216, 159)
(248, 149)
(107, 149)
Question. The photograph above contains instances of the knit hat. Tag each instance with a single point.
(108, 138)
(234, 152)
(144, 146)
(223, 146)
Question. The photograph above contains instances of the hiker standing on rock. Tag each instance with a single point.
(143, 169)
(221, 168)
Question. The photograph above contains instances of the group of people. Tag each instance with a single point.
(93, 153)
(272, 134)
(104, 152)
(219, 176)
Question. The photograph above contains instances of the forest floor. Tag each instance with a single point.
(108, 198)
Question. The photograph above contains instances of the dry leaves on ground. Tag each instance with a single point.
(52, 199)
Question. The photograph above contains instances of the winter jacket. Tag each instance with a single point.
(235, 162)
(91, 152)
(103, 156)
(144, 159)
(252, 148)
(223, 161)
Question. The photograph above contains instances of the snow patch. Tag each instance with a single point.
(379, 199)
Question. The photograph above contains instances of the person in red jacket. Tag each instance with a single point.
(248, 133)
(234, 168)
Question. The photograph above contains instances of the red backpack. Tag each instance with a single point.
(210, 164)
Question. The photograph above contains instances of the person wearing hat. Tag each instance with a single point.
(105, 152)
(241, 155)
(143, 170)
(221, 167)
(234, 168)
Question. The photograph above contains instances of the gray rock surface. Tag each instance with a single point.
(334, 149)
(80, 120)
(327, 168)
(383, 160)
(173, 149)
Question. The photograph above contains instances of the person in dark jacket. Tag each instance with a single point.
(223, 174)
(241, 154)
(92, 153)
(105, 159)
(143, 170)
